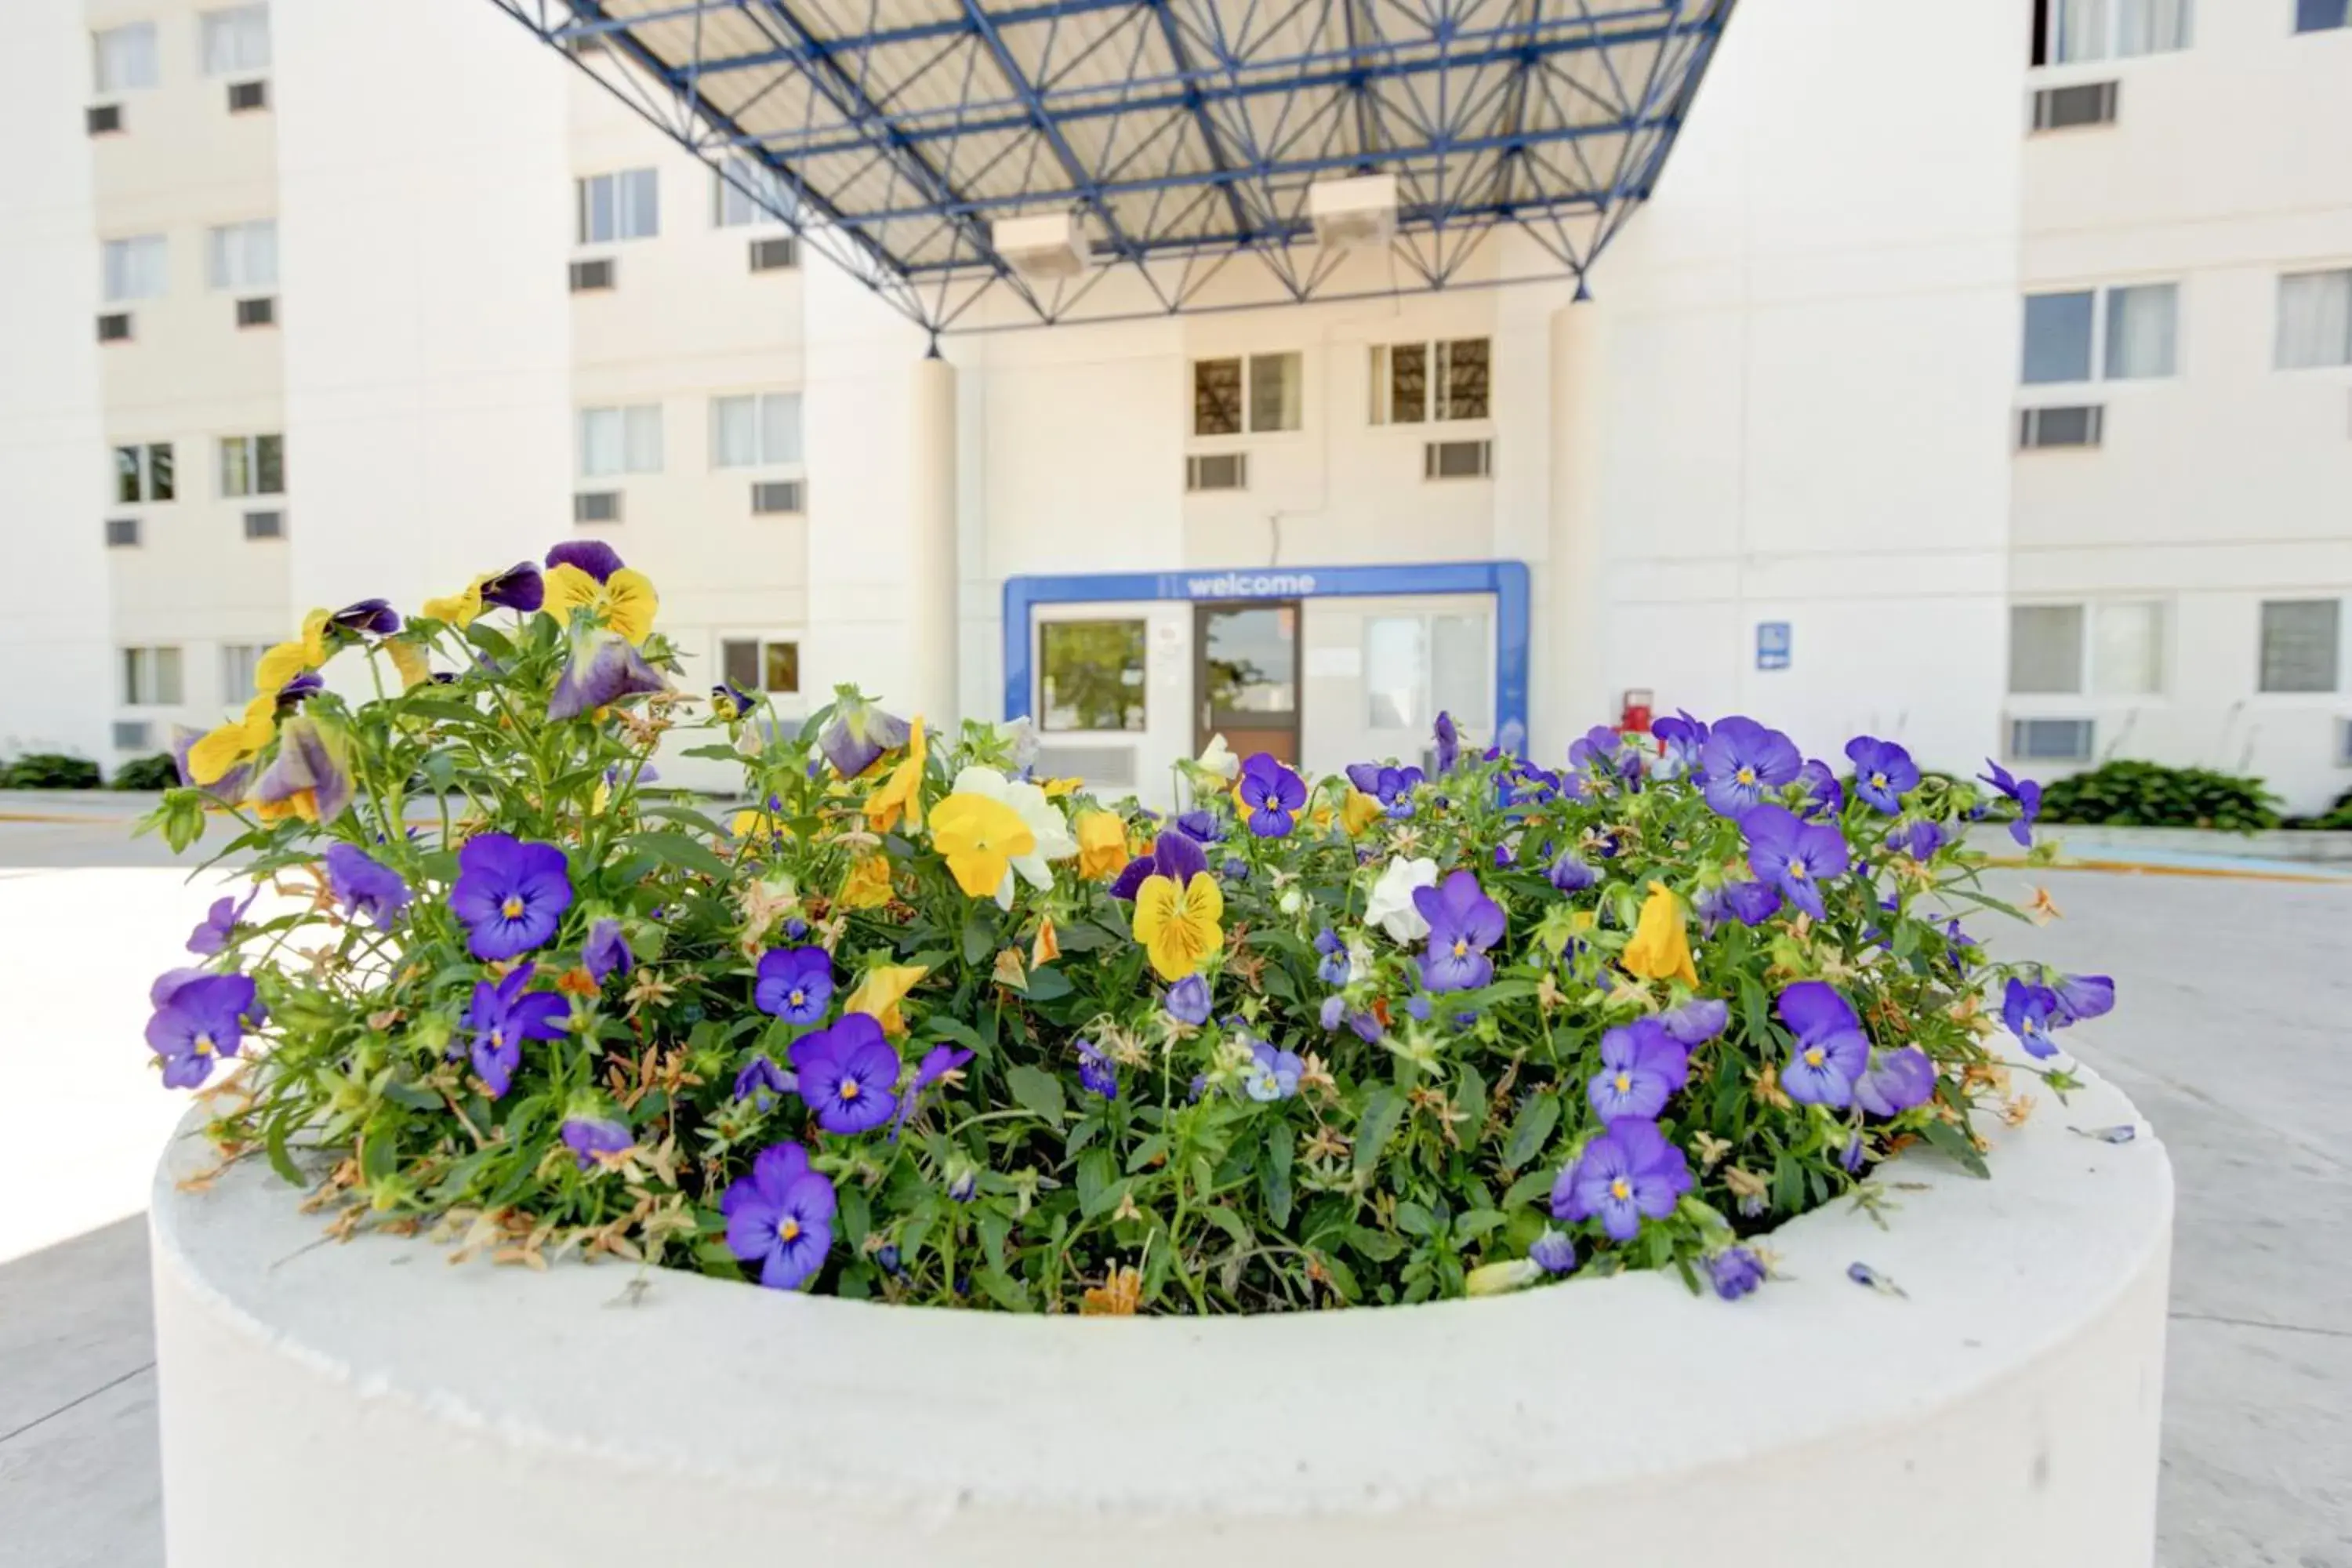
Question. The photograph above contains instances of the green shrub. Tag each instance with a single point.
(2149, 794)
(158, 772)
(49, 770)
(2337, 817)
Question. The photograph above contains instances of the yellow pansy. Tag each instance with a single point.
(902, 791)
(1360, 811)
(409, 659)
(625, 601)
(283, 662)
(460, 609)
(211, 757)
(1660, 949)
(1056, 788)
(980, 836)
(878, 995)
(753, 826)
(1102, 844)
(868, 886)
(1178, 926)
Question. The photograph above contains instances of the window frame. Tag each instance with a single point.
(142, 667)
(724, 190)
(255, 455)
(142, 472)
(234, 17)
(2303, 10)
(763, 641)
(2278, 312)
(2101, 346)
(2050, 52)
(762, 461)
(152, 58)
(219, 248)
(2329, 694)
(2088, 689)
(1246, 393)
(623, 411)
(238, 664)
(1142, 622)
(127, 246)
(617, 181)
(1437, 356)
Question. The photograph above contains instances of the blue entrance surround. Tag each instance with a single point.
(1507, 581)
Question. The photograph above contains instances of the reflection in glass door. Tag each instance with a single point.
(1246, 677)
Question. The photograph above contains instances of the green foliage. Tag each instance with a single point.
(2336, 818)
(158, 772)
(49, 770)
(2124, 794)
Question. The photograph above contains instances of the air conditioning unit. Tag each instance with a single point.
(245, 97)
(130, 735)
(2049, 740)
(1047, 247)
(121, 533)
(770, 496)
(104, 119)
(1457, 459)
(776, 255)
(590, 277)
(596, 506)
(114, 327)
(1217, 471)
(2043, 429)
(261, 312)
(1353, 214)
(265, 525)
(2084, 103)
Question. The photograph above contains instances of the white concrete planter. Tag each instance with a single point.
(365, 1405)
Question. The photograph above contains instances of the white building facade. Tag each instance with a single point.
(1979, 376)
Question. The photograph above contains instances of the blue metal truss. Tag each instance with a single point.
(894, 134)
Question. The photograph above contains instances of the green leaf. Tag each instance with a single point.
(1528, 1188)
(1003, 1290)
(1470, 1107)
(1416, 1220)
(1099, 1184)
(1475, 1222)
(1150, 1152)
(1274, 1176)
(1951, 1140)
(279, 1160)
(677, 849)
(979, 937)
(1377, 1246)
(1037, 1090)
(1229, 1222)
(1531, 1130)
(1047, 985)
(1383, 1109)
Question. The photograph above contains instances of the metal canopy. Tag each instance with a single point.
(892, 134)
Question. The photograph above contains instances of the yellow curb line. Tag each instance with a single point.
(68, 821)
(2136, 868)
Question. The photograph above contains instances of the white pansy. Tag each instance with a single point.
(1218, 758)
(1040, 815)
(1391, 907)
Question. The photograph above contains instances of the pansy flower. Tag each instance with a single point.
(1744, 762)
(1041, 820)
(1830, 1049)
(1641, 1066)
(900, 793)
(1464, 922)
(1394, 906)
(602, 668)
(2024, 792)
(1097, 1074)
(761, 1081)
(623, 601)
(502, 1017)
(1449, 743)
(1749, 903)
(1626, 1175)
(511, 895)
(281, 662)
(198, 1019)
(1554, 1252)
(1660, 949)
(1272, 1075)
(1187, 1001)
(1883, 772)
(878, 995)
(1696, 1021)
(1604, 750)
(606, 951)
(1178, 926)
(781, 1216)
(1895, 1081)
(1392, 787)
(1825, 797)
(591, 556)
(1175, 855)
(2031, 1012)
(310, 778)
(219, 925)
(1102, 845)
(373, 616)
(1268, 796)
(938, 1063)
(795, 984)
(1200, 825)
(1336, 965)
(1736, 1272)
(979, 838)
(857, 734)
(1680, 739)
(849, 1075)
(1918, 838)
(1795, 856)
(588, 1136)
(2082, 997)
(365, 886)
(1571, 873)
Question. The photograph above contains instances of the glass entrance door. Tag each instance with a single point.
(1246, 677)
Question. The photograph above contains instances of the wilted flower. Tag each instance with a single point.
(1825, 797)
(761, 1081)
(1449, 743)
(1736, 1272)
(858, 733)
(603, 667)
(2082, 997)
(589, 1136)
(938, 1063)
(1554, 1252)
(1895, 1081)
(1102, 845)
(1661, 947)
(310, 777)
(1697, 1020)
(1569, 873)
(1097, 1074)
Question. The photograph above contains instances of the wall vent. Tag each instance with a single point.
(2066, 108)
(245, 97)
(130, 735)
(2043, 429)
(1217, 471)
(261, 312)
(265, 525)
(772, 496)
(596, 506)
(2049, 740)
(114, 327)
(777, 255)
(590, 277)
(121, 533)
(105, 119)
(1113, 766)
(1457, 459)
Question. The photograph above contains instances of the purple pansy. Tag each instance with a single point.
(1825, 797)
(761, 1081)
(1554, 1252)
(375, 616)
(310, 761)
(1626, 1175)
(1188, 1000)
(1641, 1066)
(1795, 856)
(1097, 1074)
(1271, 797)
(594, 556)
(2031, 1012)
(199, 1018)
(1735, 1272)
(730, 701)
(1895, 1081)
(519, 588)
(1201, 826)
(1698, 1020)
(1449, 743)
(781, 1216)
(227, 788)
(1571, 873)
(1604, 749)
(1174, 854)
(857, 734)
(1392, 787)
(1464, 922)
(1830, 1049)
(1883, 771)
(2082, 997)
(1918, 839)
(603, 667)
(1744, 762)
(365, 886)
(795, 984)
(589, 1136)
(502, 1017)
(849, 1075)
(606, 951)
(1680, 739)
(1335, 966)
(2024, 792)
(220, 925)
(511, 894)
(1749, 903)
(1272, 1074)
(937, 1063)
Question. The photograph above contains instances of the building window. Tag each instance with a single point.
(1413, 383)
(2114, 648)
(236, 42)
(1417, 667)
(1091, 674)
(144, 473)
(760, 664)
(2134, 337)
(755, 430)
(240, 662)
(624, 205)
(242, 257)
(136, 269)
(2301, 644)
(621, 440)
(2108, 29)
(1275, 387)
(2320, 15)
(253, 466)
(748, 192)
(150, 677)
(2314, 323)
(125, 58)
